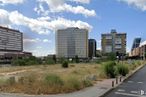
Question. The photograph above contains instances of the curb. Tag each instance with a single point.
(111, 89)
(133, 73)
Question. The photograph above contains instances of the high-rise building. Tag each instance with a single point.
(114, 42)
(10, 40)
(92, 48)
(136, 43)
(11, 44)
(72, 42)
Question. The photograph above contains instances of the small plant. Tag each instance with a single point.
(74, 83)
(53, 80)
(49, 61)
(65, 64)
(87, 83)
(110, 69)
(122, 69)
(112, 56)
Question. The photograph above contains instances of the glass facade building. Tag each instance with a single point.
(72, 42)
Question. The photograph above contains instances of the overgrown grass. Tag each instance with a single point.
(110, 69)
(50, 84)
(53, 79)
(122, 69)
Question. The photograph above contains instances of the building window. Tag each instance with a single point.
(108, 37)
(118, 41)
(118, 46)
(108, 49)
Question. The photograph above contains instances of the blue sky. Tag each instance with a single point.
(39, 19)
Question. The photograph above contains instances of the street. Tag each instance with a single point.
(135, 86)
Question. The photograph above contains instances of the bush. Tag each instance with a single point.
(19, 62)
(110, 69)
(112, 56)
(53, 80)
(87, 83)
(27, 61)
(77, 59)
(122, 69)
(65, 64)
(49, 61)
(74, 84)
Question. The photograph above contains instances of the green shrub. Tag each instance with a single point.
(27, 61)
(65, 64)
(53, 80)
(77, 59)
(112, 56)
(110, 69)
(99, 61)
(87, 83)
(74, 83)
(19, 62)
(49, 61)
(122, 69)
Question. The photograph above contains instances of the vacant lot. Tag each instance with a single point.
(33, 79)
(52, 79)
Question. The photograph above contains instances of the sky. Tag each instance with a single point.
(40, 19)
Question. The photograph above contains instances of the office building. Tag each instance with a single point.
(135, 50)
(11, 44)
(92, 48)
(10, 40)
(136, 43)
(72, 42)
(114, 42)
(139, 52)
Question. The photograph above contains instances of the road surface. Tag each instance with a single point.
(135, 86)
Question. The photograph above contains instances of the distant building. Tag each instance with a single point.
(135, 50)
(92, 48)
(142, 48)
(114, 42)
(98, 53)
(72, 42)
(11, 44)
(139, 52)
(136, 43)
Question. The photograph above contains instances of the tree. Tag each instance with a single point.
(112, 56)
(54, 58)
(77, 59)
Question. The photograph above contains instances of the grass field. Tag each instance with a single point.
(76, 77)
(52, 79)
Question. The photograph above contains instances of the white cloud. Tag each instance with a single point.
(82, 1)
(11, 1)
(39, 47)
(37, 40)
(32, 40)
(4, 18)
(46, 41)
(56, 6)
(141, 4)
(38, 25)
(75, 10)
(44, 18)
(64, 23)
